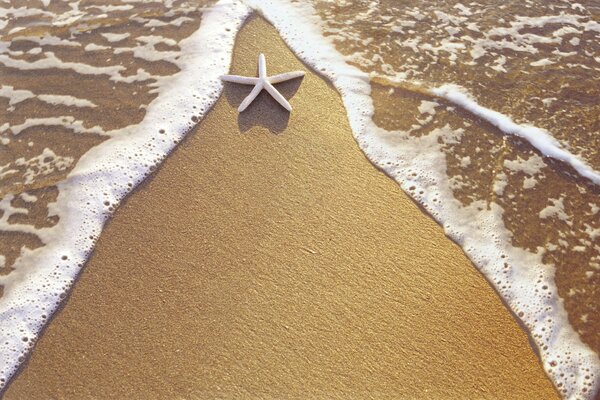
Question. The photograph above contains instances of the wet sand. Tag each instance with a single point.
(267, 258)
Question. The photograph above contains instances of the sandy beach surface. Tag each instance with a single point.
(267, 258)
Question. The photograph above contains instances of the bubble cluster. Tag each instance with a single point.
(418, 164)
(98, 183)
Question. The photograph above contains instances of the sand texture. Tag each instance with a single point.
(267, 258)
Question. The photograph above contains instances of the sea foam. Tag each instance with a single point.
(109, 171)
(521, 278)
(102, 178)
(538, 138)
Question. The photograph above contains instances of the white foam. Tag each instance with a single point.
(427, 107)
(68, 122)
(539, 138)
(147, 51)
(43, 164)
(52, 61)
(500, 183)
(104, 176)
(95, 47)
(35, 288)
(112, 8)
(28, 198)
(531, 166)
(22, 12)
(180, 20)
(555, 210)
(16, 96)
(541, 63)
(115, 37)
(65, 100)
(419, 166)
(49, 40)
(463, 10)
(5, 170)
(517, 37)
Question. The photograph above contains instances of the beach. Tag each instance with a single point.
(266, 257)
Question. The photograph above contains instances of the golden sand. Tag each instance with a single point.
(267, 258)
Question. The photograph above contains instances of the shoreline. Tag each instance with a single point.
(280, 168)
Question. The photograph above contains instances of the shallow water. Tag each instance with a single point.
(537, 62)
(88, 75)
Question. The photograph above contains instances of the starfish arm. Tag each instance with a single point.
(285, 77)
(277, 96)
(250, 97)
(244, 80)
(262, 66)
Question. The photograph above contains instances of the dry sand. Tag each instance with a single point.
(267, 258)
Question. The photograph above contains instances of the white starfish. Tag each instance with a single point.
(263, 82)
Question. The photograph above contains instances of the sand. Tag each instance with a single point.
(267, 258)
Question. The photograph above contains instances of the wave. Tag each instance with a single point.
(42, 277)
(527, 286)
(539, 138)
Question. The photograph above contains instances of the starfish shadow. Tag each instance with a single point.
(264, 111)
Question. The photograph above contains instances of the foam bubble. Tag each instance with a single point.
(103, 176)
(538, 138)
(520, 277)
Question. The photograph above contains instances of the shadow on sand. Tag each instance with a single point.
(264, 110)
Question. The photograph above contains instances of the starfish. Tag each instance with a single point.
(263, 82)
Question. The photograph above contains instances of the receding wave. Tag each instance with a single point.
(87, 121)
(485, 114)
